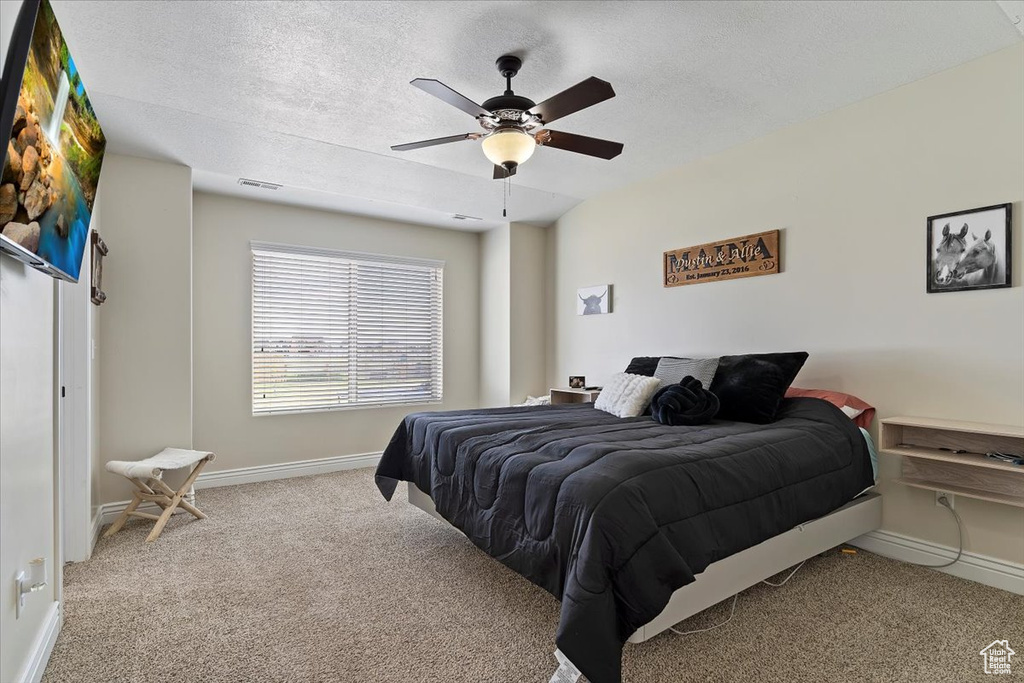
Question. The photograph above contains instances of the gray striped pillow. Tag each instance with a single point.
(673, 370)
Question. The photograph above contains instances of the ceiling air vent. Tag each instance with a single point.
(464, 217)
(249, 182)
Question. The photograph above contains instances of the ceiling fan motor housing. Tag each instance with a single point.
(513, 102)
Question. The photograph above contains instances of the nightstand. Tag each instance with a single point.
(949, 455)
(566, 395)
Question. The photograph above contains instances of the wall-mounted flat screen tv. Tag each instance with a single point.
(53, 148)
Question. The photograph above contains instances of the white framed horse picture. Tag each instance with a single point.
(969, 249)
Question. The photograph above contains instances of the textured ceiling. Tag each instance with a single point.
(312, 94)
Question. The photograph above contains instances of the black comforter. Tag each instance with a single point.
(612, 515)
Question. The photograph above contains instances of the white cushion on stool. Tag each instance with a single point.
(167, 459)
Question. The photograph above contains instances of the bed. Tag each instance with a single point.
(635, 525)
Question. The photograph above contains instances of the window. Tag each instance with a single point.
(333, 330)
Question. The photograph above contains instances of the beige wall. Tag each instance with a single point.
(512, 314)
(223, 228)
(27, 453)
(527, 324)
(495, 321)
(851, 191)
(145, 378)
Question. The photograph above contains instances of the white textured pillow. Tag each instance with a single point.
(627, 395)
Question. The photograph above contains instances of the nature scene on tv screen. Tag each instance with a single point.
(53, 157)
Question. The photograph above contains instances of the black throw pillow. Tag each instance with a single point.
(751, 387)
(643, 365)
(686, 403)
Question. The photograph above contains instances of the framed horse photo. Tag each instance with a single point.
(969, 249)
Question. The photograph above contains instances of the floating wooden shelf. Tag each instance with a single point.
(1012, 431)
(563, 395)
(972, 459)
(929, 462)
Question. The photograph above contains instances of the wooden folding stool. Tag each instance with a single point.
(147, 474)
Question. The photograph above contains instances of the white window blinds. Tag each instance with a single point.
(334, 330)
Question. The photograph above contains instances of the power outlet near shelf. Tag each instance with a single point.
(939, 495)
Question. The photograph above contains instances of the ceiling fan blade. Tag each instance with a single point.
(500, 173)
(436, 141)
(443, 92)
(580, 96)
(570, 142)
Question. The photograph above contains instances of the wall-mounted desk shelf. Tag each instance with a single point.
(563, 395)
(926, 465)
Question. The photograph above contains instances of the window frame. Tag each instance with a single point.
(352, 256)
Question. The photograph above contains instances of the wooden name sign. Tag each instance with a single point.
(746, 256)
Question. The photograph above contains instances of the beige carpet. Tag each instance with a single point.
(319, 579)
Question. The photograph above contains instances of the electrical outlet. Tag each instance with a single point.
(939, 495)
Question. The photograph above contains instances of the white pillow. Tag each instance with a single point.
(627, 395)
(851, 413)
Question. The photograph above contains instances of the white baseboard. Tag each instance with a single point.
(110, 511)
(248, 475)
(991, 571)
(286, 470)
(39, 654)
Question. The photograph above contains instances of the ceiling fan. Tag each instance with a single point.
(513, 125)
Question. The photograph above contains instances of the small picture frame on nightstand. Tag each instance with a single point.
(577, 381)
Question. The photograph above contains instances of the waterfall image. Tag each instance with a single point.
(52, 129)
(52, 159)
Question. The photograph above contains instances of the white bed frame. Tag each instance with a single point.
(723, 579)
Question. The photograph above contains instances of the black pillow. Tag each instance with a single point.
(686, 403)
(751, 387)
(644, 365)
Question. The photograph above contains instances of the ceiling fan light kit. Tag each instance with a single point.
(508, 147)
(514, 126)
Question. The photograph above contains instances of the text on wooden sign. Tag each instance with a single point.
(746, 256)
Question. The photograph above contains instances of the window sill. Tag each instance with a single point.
(375, 406)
